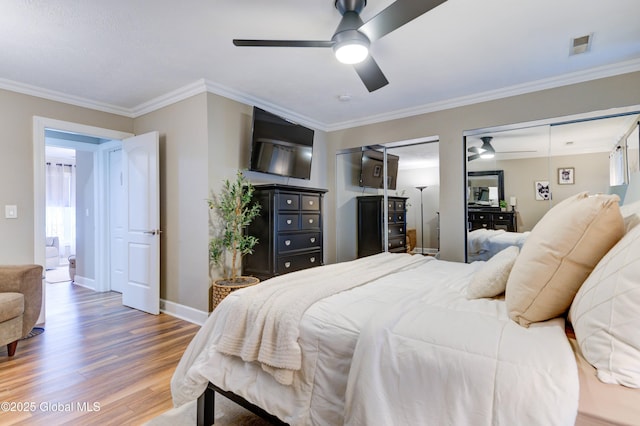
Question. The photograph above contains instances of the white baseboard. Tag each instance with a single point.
(85, 282)
(183, 312)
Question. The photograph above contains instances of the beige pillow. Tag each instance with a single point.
(490, 279)
(560, 253)
(606, 314)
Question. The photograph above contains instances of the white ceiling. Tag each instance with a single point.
(129, 56)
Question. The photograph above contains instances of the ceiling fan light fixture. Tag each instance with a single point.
(487, 155)
(486, 150)
(351, 47)
(351, 53)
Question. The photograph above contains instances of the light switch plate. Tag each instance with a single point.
(11, 212)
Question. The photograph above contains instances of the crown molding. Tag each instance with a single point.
(203, 85)
(53, 95)
(519, 89)
(244, 98)
(170, 98)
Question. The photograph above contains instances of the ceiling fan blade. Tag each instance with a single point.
(283, 43)
(371, 74)
(473, 157)
(474, 149)
(396, 15)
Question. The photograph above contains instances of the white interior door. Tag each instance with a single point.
(117, 216)
(142, 223)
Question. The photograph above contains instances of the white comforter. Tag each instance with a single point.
(437, 358)
(483, 244)
(330, 330)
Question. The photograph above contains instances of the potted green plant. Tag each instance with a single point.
(503, 205)
(233, 212)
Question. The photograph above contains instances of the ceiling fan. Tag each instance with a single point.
(487, 151)
(351, 40)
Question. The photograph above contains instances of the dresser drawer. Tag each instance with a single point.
(288, 201)
(395, 243)
(478, 224)
(288, 222)
(310, 221)
(299, 261)
(310, 202)
(298, 241)
(396, 230)
(399, 205)
(480, 216)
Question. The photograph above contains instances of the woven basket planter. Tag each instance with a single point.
(222, 288)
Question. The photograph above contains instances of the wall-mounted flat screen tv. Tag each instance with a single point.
(372, 169)
(280, 146)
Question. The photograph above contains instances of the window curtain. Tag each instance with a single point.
(61, 205)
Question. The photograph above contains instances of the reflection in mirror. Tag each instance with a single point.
(547, 163)
(409, 213)
(485, 189)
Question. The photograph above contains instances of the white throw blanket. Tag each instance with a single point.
(263, 325)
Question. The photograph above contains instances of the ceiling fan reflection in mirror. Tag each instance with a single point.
(352, 38)
(487, 151)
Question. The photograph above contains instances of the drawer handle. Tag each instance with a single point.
(389, 231)
(289, 201)
(481, 217)
(289, 221)
(484, 225)
(312, 239)
(287, 264)
(389, 245)
(500, 217)
(400, 218)
(310, 202)
(287, 242)
(390, 218)
(310, 220)
(312, 260)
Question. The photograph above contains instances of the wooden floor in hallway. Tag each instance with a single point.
(97, 363)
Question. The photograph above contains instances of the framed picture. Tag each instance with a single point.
(566, 176)
(542, 190)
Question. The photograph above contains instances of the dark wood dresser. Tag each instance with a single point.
(289, 231)
(492, 219)
(371, 225)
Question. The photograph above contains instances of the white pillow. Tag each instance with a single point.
(491, 279)
(606, 314)
(630, 214)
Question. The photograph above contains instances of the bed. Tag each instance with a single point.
(483, 244)
(447, 359)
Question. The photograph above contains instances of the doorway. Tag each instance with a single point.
(97, 206)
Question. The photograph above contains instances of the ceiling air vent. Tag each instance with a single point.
(580, 45)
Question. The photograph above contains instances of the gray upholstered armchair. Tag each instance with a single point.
(20, 302)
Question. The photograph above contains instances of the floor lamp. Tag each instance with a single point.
(421, 188)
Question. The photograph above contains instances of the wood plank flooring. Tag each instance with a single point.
(97, 363)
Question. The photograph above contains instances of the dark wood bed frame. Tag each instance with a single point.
(206, 406)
